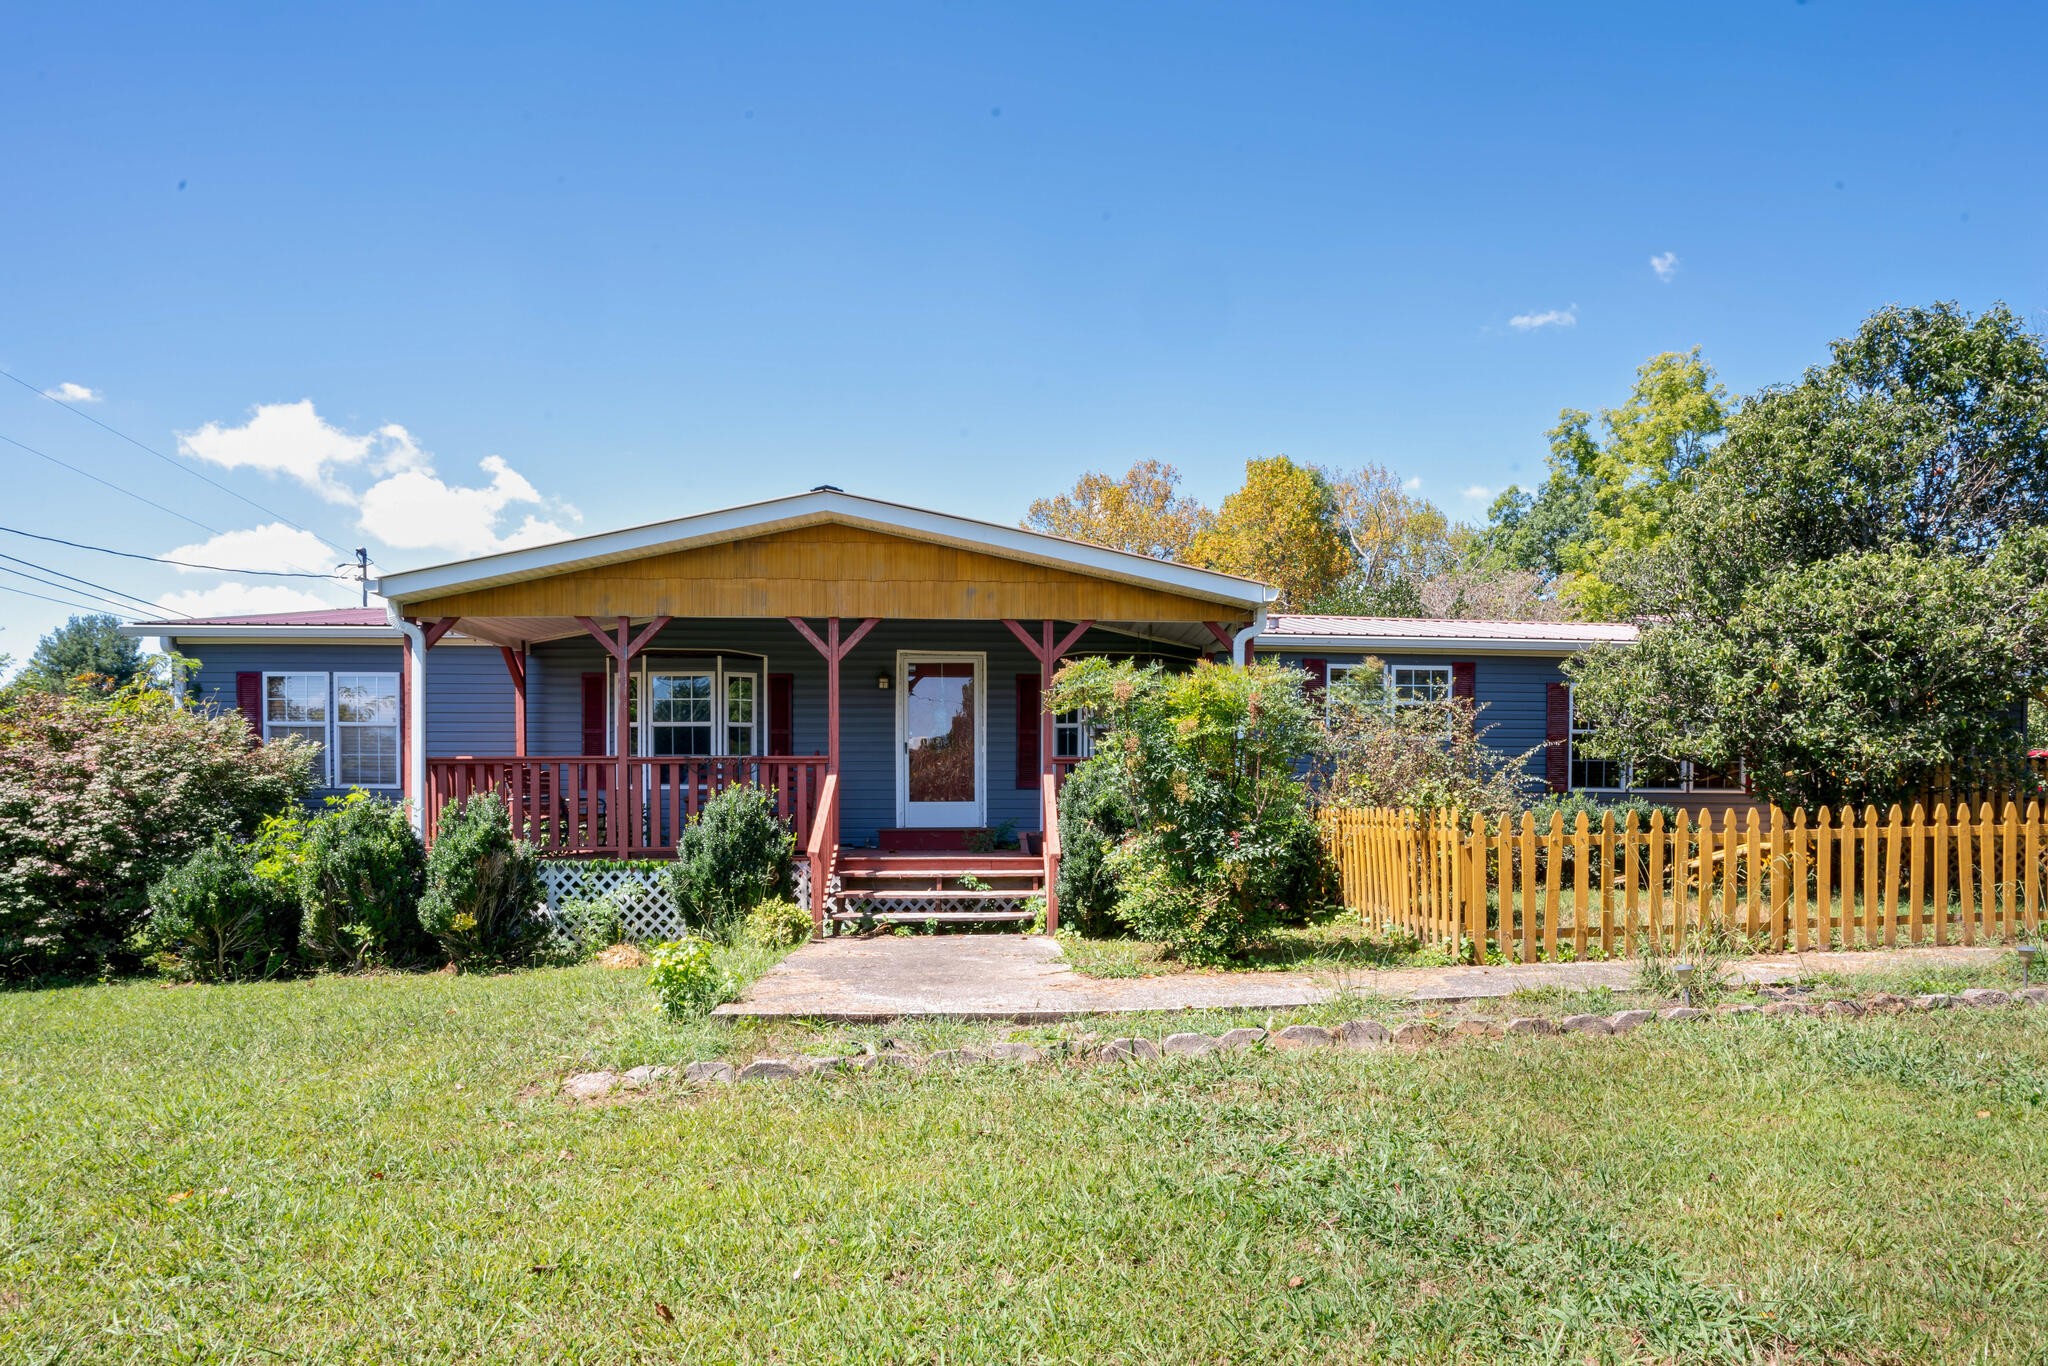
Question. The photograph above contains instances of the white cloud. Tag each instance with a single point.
(294, 440)
(241, 599)
(1665, 263)
(1414, 482)
(415, 509)
(1478, 492)
(270, 546)
(67, 392)
(1556, 317)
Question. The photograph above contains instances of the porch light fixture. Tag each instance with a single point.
(882, 680)
(2026, 953)
(1683, 972)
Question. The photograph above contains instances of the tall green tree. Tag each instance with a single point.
(1614, 481)
(1852, 594)
(85, 645)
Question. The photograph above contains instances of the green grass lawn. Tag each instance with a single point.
(354, 1169)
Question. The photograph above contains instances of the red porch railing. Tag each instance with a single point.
(569, 806)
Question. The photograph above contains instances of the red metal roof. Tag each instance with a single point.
(335, 616)
(1446, 628)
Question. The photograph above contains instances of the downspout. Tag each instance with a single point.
(1241, 643)
(416, 732)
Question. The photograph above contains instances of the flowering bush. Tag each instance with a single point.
(100, 793)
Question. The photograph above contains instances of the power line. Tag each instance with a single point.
(175, 464)
(88, 583)
(121, 607)
(183, 564)
(108, 483)
(61, 602)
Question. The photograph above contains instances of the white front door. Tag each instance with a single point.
(941, 739)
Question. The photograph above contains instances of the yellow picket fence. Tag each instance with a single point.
(1541, 891)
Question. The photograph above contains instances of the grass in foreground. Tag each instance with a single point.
(345, 1170)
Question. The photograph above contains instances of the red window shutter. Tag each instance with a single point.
(593, 713)
(249, 701)
(1028, 721)
(1557, 735)
(1318, 671)
(1465, 680)
(782, 713)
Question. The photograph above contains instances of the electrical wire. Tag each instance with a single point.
(43, 597)
(108, 483)
(87, 583)
(182, 564)
(175, 464)
(105, 601)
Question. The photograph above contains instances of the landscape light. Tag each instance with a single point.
(2026, 953)
(1683, 972)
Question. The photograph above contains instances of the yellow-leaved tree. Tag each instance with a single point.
(1284, 527)
(1142, 512)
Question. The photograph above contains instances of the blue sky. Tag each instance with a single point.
(650, 261)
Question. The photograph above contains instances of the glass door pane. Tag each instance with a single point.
(939, 724)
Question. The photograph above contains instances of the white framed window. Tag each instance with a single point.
(353, 717)
(742, 705)
(1643, 775)
(696, 711)
(366, 730)
(1073, 734)
(1418, 685)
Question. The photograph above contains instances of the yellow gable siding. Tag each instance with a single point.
(827, 571)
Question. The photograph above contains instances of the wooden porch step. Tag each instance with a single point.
(943, 894)
(952, 871)
(923, 917)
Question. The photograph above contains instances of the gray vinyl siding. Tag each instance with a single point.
(469, 709)
(1511, 691)
(867, 713)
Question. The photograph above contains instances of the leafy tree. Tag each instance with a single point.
(1284, 527)
(100, 793)
(1222, 848)
(1395, 537)
(1610, 496)
(1142, 512)
(85, 645)
(1850, 598)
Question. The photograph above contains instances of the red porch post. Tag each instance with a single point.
(1048, 654)
(622, 649)
(515, 664)
(834, 650)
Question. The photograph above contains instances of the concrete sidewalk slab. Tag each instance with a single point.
(1026, 978)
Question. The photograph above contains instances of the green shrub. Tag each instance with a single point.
(735, 854)
(1095, 817)
(589, 925)
(777, 923)
(689, 978)
(1571, 805)
(1223, 850)
(483, 899)
(360, 880)
(211, 919)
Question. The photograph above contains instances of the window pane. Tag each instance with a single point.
(295, 697)
(368, 756)
(367, 698)
(739, 739)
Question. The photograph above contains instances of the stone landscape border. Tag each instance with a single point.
(1352, 1034)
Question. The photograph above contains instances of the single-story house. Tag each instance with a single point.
(876, 667)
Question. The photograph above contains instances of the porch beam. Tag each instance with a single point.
(434, 630)
(834, 649)
(515, 665)
(1048, 653)
(1223, 634)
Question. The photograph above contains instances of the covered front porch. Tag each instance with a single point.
(652, 669)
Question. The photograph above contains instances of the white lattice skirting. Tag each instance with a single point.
(647, 913)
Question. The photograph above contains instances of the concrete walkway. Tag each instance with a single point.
(1026, 978)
